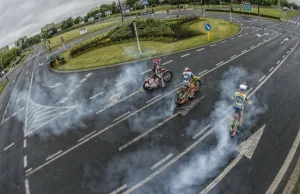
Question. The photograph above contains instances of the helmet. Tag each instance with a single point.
(187, 69)
(243, 88)
(156, 61)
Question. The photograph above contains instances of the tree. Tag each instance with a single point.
(77, 20)
(114, 8)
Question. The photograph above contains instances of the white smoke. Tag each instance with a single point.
(207, 165)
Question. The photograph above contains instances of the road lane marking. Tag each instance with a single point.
(278, 62)
(122, 82)
(122, 116)
(14, 80)
(154, 174)
(153, 98)
(64, 100)
(146, 71)
(213, 45)
(167, 62)
(89, 74)
(96, 95)
(185, 55)
(147, 132)
(71, 92)
(38, 70)
(287, 52)
(234, 56)
(232, 38)
(271, 69)
(27, 186)
(30, 169)
(48, 158)
(201, 72)
(252, 47)
(161, 161)
(200, 49)
(240, 35)
(78, 86)
(25, 161)
(25, 143)
(285, 165)
(224, 41)
(244, 51)
(118, 101)
(263, 77)
(14, 114)
(248, 91)
(86, 136)
(284, 56)
(201, 131)
(83, 80)
(26, 72)
(119, 189)
(246, 34)
(220, 63)
(10, 145)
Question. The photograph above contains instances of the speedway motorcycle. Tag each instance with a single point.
(154, 82)
(184, 93)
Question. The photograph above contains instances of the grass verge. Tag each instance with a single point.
(128, 51)
(2, 86)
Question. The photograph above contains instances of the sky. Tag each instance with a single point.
(26, 17)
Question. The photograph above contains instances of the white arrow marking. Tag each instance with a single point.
(246, 148)
(286, 39)
(55, 85)
(265, 34)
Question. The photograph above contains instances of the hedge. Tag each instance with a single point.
(169, 30)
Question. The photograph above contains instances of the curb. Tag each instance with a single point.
(144, 59)
(294, 178)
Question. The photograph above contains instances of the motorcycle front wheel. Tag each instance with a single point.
(167, 76)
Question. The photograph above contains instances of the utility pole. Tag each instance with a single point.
(121, 11)
(137, 38)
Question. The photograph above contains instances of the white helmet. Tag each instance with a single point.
(243, 87)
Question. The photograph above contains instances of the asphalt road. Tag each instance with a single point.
(99, 132)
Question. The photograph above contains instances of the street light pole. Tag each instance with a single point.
(45, 44)
(121, 11)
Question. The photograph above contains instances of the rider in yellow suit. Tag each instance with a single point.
(240, 98)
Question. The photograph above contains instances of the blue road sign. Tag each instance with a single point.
(207, 27)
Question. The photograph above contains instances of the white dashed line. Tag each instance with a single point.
(201, 131)
(53, 155)
(71, 92)
(30, 169)
(78, 85)
(233, 56)
(25, 161)
(26, 72)
(202, 72)
(147, 132)
(284, 56)
(185, 55)
(252, 47)
(200, 49)
(83, 80)
(161, 161)
(63, 100)
(240, 35)
(232, 38)
(263, 77)
(38, 70)
(96, 95)
(248, 91)
(86, 136)
(244, 51)
(14, 114)
(146, 71)
(122, 82)
(89, 74)
(224, 41)
(25, 143)
(278, 62)
(153, 98)
(27, 186)
(213, 45)
(219, 63)
(122, 116)
(119, 189)
(7, 147)
(167, 62)
(271, 69)
(246, 34)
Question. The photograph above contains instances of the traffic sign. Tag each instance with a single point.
(207, 27)
(247, 6)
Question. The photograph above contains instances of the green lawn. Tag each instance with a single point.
(128, 51)
(2, 86)
(74, 34)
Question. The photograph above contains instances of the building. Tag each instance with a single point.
(21, 41)
(47, 28)
(4, 49)
(91, 20)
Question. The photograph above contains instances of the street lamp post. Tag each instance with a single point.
(45, 44)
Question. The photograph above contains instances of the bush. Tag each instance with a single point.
(169, 30)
